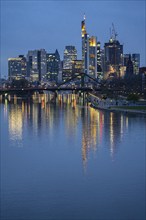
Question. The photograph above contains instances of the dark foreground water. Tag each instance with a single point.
(64, 161)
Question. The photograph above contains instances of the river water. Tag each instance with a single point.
(63, 160)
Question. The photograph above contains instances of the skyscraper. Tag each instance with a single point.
(135, 58)
(99, 61)
(113, 52)
(136, 62)
(85, 47)
(17, 67)
(93, 57)
(70, 54)
(77, 68)
(129, 68)
(125, 59)
(36, 62)
(90, 54)
(53, 65)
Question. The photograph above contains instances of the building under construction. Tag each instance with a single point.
(113, 56)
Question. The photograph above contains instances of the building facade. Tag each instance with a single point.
(53, 66)
(85, 47)
(36, 65)
(70, 54)
(113, 55)
(136, 62)
(77, 68)
(129, 68)
(135, 58)
(99, 61)
(17, 67)
(93, 57)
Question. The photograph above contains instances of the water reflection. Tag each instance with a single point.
(46, 113)
(15, 124)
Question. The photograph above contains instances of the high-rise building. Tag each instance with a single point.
(129, 68)
(77, 68)
(113, 52)
(136, 62)
(142, 72)
(70, 54)
(93, 57)
(53, 65)
(90, 54)
(17, 67)
(60, 71)
(85, 47)
(67, 74)
(36, 62)
(99, 61)
(125, 59)
(135, 58)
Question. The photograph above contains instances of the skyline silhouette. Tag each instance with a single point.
(53, 25)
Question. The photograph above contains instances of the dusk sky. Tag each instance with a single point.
(29, 25)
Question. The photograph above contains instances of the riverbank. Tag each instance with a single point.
(131, 109)
(116, 105)
(125, 109)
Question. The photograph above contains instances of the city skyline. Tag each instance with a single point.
(33, 28)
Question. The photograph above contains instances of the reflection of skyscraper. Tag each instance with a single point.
(89, 131)
(114, 127)
(15, 124)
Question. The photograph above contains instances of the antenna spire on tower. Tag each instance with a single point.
(84, 16)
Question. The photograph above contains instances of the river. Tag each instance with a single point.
(63, 160)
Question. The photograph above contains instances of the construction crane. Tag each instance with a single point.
(114, 33)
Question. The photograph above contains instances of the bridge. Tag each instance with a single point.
(41, 89)
(59, 87)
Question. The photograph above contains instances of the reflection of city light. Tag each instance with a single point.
(5, 107)
(94, 118)
(15, 124)
(43, 103)
(111, 133)
(122, 121)
(9, 98)
(15, 99)
(35, 116)
(29, 109)
(101, 121)
(84, 149)
(23, 108)
(126, 122)
(89, 132)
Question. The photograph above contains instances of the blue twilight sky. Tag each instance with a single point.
(28, 25)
